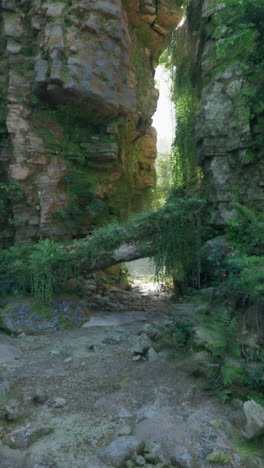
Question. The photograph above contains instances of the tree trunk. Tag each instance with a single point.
(124, 243)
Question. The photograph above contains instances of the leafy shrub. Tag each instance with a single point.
(240, 268)
(9, 191)
(219, 335)
(177, 335)
(14, 272)
(46, 263)
(246, 276)
(230, 364)
(246, 231)
(255, 373)
(177, 241)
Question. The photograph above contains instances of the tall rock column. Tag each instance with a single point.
(80, 95)
(228, 115)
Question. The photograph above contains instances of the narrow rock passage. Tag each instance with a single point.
(81, 400)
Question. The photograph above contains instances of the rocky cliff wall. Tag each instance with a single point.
(227, 130)
(229, 122)
(225, 113)
(76, 102)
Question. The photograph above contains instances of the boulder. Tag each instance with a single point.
(23, 436)
(254, 414)
(120, 450)
(181, 458)
(9, 413)
(8, 349)
(58, 403)
(151, 330)
(142, 345)
(152, 355)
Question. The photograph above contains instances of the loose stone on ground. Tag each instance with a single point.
(24, 436)
(102, 404)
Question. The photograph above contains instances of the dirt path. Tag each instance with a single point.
(92, 393)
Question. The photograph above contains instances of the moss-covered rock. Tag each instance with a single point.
(80, 88)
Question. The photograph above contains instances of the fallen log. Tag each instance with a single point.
(167, 234)
(140, 237)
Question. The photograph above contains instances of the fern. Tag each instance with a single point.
(246, 213)
(177, 334)
(231, 373)
(246, 231)
(223, 394)
(220, 335)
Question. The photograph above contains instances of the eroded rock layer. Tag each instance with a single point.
(228, 117)
(77, 99)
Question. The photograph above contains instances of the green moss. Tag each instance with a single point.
(74, 136)
(216, 423)
(142, 39)
(69, 134)
(218, 458)
(242, 44)
(83, 207)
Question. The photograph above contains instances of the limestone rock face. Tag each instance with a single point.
(224, 130)
(227, 128)
(76, 105)
(84, 56)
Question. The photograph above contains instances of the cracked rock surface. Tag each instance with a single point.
(115, 411)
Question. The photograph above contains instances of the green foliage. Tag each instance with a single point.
(243, 23)
(164, 178)
(241, 267)
(247, 276)
(145, 80)
(14, 272)
(227, 371)
(177, 335)
(179, 59)
(45, 256)
(77, 137)
(45, 265)
(255, 374)
(231, 369)
(217, 423)
(184, 156)
(238, 264)
(248, 450)
(246, 231)
(218, 260)
(177, 242)
(219, 334)
(218, 458)
(9, 191)
(83, 207)
(231, 373)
